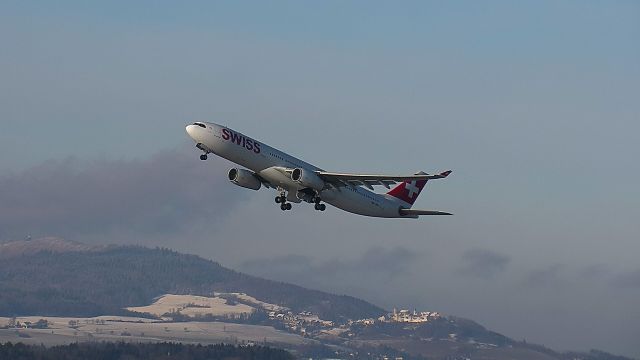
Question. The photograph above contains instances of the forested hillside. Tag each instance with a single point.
(90, 283)
(141, 352)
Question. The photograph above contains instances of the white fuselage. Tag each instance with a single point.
(268, 163)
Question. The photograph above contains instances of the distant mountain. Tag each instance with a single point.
(57, 277)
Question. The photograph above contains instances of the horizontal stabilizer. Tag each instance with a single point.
(412, 212)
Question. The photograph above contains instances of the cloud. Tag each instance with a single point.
(595, 272)
(483, 263)
(550, 275)
(389, 263)
(361, 275)
(283, 268)
(116, 200)
(630, 280)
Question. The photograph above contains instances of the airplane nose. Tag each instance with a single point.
(191, 130)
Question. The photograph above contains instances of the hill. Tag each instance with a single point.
(47, 277)
(50, 244)
(53, 277)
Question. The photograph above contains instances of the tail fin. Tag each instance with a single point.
(408, 191)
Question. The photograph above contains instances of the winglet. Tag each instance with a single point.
(445, 174)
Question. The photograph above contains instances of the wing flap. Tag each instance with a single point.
(369, 180)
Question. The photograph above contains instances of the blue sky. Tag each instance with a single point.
(338, 61)
(533, 104)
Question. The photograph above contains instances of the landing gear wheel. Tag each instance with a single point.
(285, 206)
(203, 157)
(278, 199)
(323, 207)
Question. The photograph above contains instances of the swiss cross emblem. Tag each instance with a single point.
(411, 188)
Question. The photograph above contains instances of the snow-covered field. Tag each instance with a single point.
(64, 330)
(191, 305)
(117, 328)
(258, 303)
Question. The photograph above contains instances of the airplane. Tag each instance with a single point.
(297, 181)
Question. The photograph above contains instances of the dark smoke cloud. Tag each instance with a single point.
(483, 263)
(114, 200)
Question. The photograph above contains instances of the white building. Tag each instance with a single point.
(407, 316)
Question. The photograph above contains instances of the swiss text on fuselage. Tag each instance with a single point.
(240, 140)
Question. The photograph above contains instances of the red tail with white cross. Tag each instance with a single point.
(408, 191)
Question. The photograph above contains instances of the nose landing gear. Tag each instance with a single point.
(204, 149)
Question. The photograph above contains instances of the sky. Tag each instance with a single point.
(533, 104)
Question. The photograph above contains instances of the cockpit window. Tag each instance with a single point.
(200, 124)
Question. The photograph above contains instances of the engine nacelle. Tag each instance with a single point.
(307, 179)
(244, 178)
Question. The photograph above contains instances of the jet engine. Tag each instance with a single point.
(244, 178)
(307, 179)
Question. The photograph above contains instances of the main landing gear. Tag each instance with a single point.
(203, 157)
(284, 205)
(318, 206)
(282, 200)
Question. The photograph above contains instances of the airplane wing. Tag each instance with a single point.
(265, 183)
(341, 180)
(410, 212)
